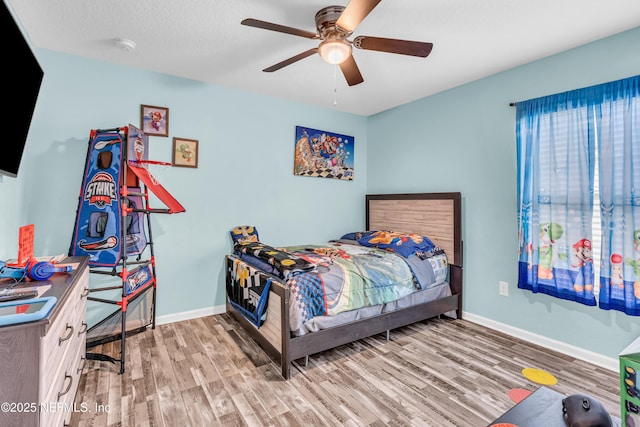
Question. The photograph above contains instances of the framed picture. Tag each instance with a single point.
(323, 154)
(154, 120)
(185, 152)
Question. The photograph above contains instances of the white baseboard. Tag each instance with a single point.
(577, 352)
(187, 315)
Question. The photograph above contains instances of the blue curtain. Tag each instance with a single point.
(618, 132)
(556, 138)
(555, 197)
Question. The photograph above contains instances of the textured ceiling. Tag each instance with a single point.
(203, 40)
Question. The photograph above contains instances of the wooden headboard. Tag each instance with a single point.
(435, 215)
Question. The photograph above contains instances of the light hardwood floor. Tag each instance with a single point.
(208, 372)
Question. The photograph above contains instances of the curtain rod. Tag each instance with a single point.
(512, 104)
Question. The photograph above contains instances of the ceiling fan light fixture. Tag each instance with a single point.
(334, 25)
(335, 51)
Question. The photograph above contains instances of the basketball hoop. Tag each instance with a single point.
(143, 163)
(158, 167)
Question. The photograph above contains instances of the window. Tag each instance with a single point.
(578, 195)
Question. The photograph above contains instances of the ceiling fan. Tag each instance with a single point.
(334, 25)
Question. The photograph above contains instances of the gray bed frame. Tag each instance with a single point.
(436, 215)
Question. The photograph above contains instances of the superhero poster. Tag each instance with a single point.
(323, 154)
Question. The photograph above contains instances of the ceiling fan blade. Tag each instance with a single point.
(291, 60)
(279, 28)
(351, 72)
(354, 13)
(403, 47)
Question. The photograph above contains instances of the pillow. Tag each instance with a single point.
(244, 234)
(281, 260)
(404, 244)
(356, 235)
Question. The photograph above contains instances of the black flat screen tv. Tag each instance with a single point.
(23, 72)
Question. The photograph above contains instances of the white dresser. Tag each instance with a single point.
(41, 361)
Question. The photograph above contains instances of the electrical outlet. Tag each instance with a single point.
(504, 288)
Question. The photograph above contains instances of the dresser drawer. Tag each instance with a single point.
(65, 336)
(61, 397)
(54, 347)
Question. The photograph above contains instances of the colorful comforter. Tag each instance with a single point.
(345, 276)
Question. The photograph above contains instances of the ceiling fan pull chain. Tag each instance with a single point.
(335, 85)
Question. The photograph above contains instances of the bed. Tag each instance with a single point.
(435, 216)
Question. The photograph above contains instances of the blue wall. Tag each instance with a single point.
(464, 140)
(459, 140)
(244, 174)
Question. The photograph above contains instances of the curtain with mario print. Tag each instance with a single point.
(557, 137)
(617, 118)
(555, 178)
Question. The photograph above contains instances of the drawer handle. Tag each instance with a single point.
(63, 339)
(62, 393)
(85, 293)
(84, 362)
(84, 328)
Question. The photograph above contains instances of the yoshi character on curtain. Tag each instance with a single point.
(549, 233)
